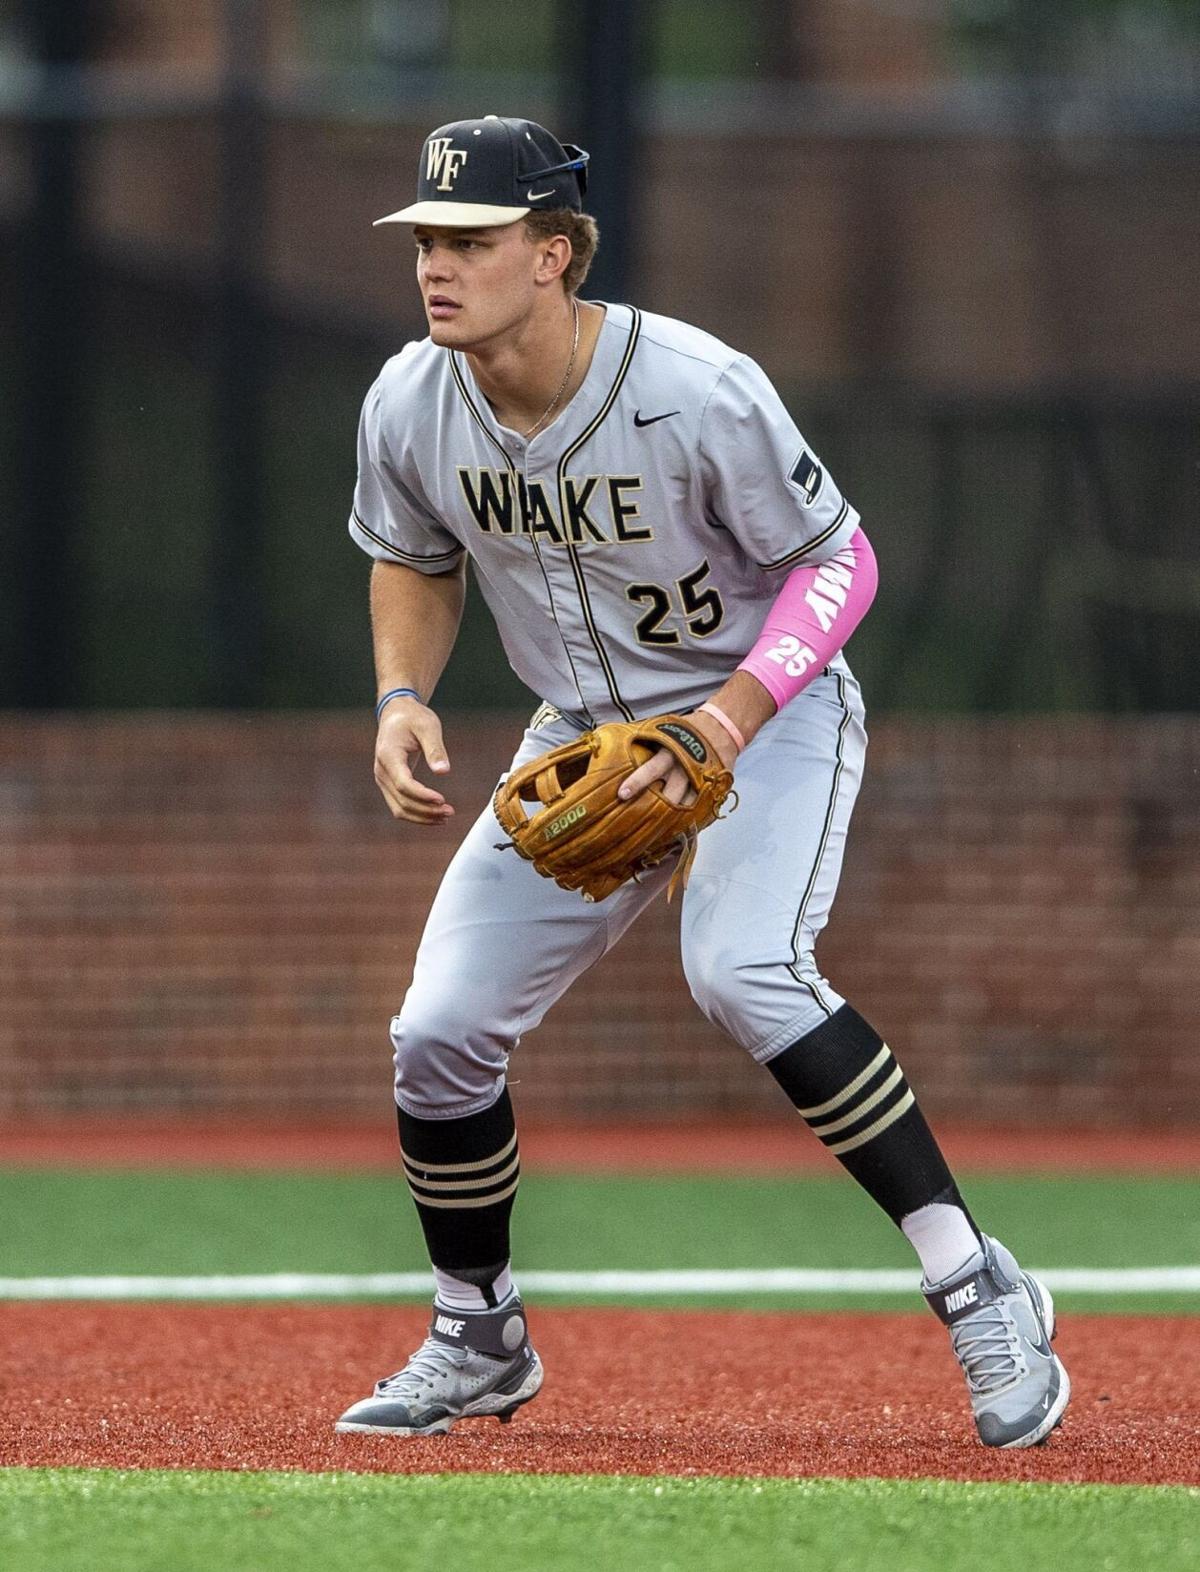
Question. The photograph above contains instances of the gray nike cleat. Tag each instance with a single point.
(1001, 1324)
(473, 1363)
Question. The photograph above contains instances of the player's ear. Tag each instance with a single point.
(553, 258)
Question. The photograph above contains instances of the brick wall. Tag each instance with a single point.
(216, 914)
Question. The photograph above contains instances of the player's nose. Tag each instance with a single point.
(435, 264)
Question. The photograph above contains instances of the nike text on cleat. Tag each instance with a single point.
(1001, 1322)
(472, 1364)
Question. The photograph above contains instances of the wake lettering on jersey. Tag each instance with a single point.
(579, 519)
(536, 517)
(465, 395)
(599, 509)
(635, 330)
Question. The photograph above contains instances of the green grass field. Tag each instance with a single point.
(64, 1223)
(195, 1522)
(101, 1222)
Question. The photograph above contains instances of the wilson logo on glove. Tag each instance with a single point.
(594, 841)
(688, 738)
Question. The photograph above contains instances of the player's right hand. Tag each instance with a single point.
(409, 732)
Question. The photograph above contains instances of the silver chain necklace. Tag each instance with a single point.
(562, 386)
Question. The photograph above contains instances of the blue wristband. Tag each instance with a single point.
(396, 693)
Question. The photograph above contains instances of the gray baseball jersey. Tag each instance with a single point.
(628, 552)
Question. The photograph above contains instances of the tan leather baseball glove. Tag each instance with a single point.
(584, 836)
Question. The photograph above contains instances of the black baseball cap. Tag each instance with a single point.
(475, 173)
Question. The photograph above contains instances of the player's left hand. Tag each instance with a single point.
(663, 767)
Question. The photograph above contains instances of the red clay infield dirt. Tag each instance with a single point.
(628, 1392)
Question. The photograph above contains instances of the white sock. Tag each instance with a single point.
(456, 1294)
(943, 1238)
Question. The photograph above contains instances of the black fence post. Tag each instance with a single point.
(240, 370)
(51, 428)
(604, 44)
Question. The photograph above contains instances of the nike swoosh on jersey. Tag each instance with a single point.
(536, 196)
(650, 419)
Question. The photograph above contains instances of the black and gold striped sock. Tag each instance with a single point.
(463, 1175)
(844, 1081)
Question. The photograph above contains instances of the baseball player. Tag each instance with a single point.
(652, 534)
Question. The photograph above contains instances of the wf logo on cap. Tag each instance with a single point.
(443, 163)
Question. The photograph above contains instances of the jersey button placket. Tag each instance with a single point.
(560, 575)
(549, 557)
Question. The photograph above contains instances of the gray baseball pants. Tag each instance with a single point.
(501, 943)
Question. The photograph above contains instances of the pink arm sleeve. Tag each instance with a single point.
(815, 613)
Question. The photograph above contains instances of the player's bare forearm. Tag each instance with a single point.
(745, 701)
(414, 622)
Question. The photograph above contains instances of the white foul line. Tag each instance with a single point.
(634, 1285)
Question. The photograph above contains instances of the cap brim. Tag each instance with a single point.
(455, 215)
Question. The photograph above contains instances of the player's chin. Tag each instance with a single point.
(449, 332)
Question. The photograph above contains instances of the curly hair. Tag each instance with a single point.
(581, 229)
